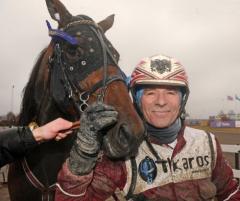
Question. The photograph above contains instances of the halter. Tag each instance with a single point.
(71, 88)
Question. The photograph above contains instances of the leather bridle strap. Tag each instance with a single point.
(104, 50)
(97, 86)
(46, 191)
(109, 80)
(70, 86)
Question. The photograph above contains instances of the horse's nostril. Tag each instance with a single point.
(121, 141)
(124, 127)
(124, 132)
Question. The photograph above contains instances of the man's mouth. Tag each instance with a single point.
(160, 113)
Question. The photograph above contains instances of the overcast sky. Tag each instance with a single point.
(204, 35)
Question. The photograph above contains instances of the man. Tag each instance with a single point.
(15, 142)
(175, 162)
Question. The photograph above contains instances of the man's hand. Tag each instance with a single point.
(58, 129)
(94, 120)
(96, 117)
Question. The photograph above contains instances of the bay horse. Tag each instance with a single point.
(78, 67)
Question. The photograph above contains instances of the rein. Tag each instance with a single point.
(71, 88)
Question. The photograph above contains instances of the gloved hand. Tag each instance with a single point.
(84, 152)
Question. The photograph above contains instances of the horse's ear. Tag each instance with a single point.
(58, 12)
(106, 23)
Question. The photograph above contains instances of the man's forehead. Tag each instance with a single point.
(168, 87)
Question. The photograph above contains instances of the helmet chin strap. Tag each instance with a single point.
(182, 111)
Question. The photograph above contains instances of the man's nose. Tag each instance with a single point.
(161, 99)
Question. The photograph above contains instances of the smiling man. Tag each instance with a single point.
(173, 163)
(161, 103)
(176, 162)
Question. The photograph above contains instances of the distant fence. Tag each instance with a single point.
(3, 170)
(224, 124)
(3, 174)
(236, 150)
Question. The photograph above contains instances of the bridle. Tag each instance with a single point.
(74, 90)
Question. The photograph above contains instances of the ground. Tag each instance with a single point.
(4, 192)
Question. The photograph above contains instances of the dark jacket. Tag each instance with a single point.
(14, 144)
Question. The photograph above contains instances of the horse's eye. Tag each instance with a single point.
(72, 50)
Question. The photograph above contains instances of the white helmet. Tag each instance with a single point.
(160, 70)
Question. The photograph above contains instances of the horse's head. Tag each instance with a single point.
(83, 69)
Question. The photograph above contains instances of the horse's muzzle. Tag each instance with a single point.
(121, 142)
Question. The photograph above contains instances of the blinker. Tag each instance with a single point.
(58, 34)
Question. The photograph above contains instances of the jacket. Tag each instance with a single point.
(14, 144)
(194, 169)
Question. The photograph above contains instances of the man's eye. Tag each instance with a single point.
(149, 93)
(173, 92)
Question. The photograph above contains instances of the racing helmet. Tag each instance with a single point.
(159, 70)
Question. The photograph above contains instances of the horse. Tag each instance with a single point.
(77, 68)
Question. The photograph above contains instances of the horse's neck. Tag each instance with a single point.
(46, 160)
(47, 112)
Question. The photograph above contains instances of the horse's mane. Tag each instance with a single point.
(29, 105)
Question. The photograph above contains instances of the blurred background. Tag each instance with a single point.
(203, 35)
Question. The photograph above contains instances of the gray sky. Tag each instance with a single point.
(204, 35)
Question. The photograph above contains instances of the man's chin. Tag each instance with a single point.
(160, 123)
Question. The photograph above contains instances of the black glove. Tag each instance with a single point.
(84, 152)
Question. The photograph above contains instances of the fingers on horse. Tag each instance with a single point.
(67, 132)
(62, 135)
(64, 123)
(57, 138)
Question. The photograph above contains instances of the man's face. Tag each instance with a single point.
(160, 105)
